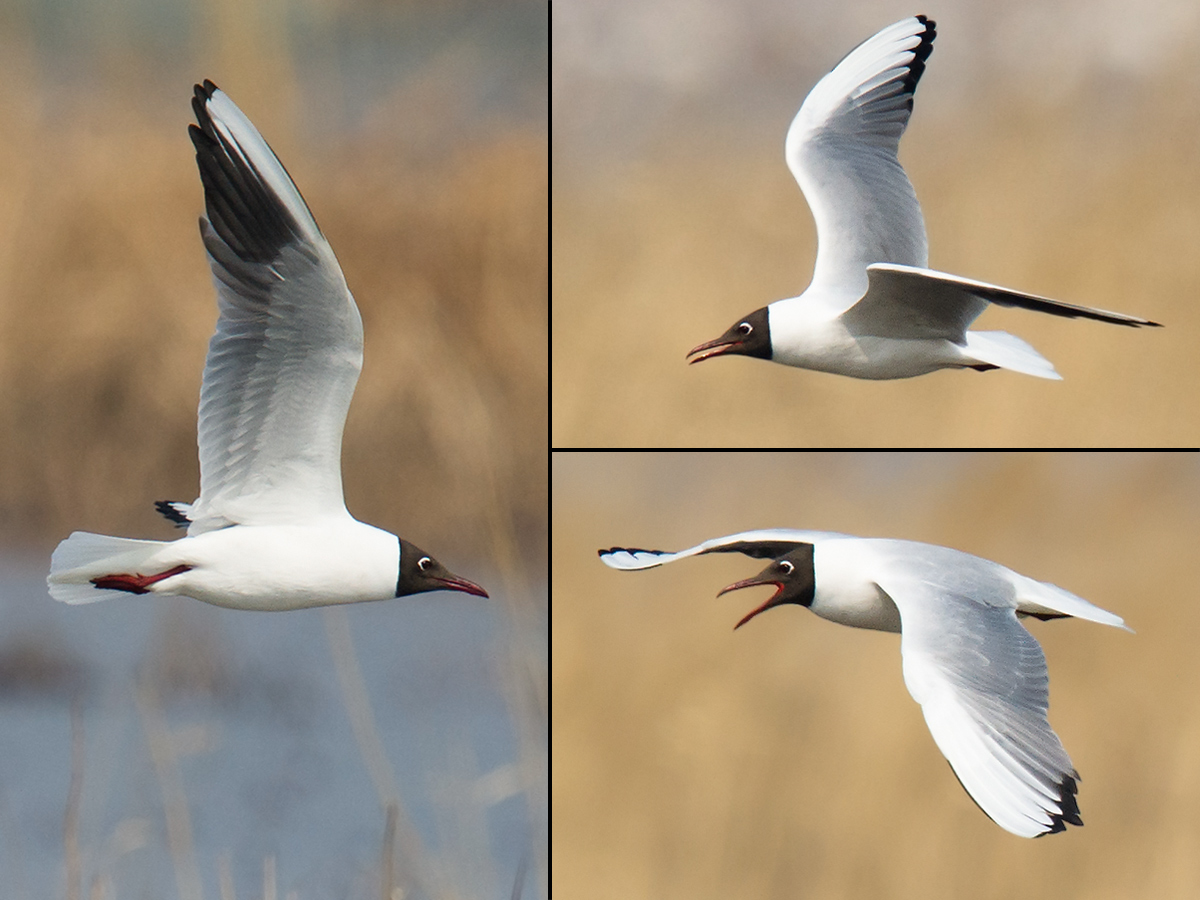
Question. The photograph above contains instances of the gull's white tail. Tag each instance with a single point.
(999, 348)
(84, 556)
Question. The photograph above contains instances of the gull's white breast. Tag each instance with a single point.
(845, 591)
(276, 567)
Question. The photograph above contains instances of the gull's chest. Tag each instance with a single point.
(846, 591)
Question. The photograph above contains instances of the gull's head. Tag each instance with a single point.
(749, 336)
(793, 577)
(420, 572)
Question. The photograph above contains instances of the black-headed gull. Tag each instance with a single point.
(874, 309)
(270, 530)
(979, 676)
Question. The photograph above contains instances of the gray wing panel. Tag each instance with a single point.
(769, 543)
(841, 148)
(911, 303)
(981, 680)
(285, 358)
(278, 381)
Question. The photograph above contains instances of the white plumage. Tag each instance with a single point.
(270, 529)
(979, 676)
(874, 309)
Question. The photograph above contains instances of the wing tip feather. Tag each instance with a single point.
(610, 558)
(253, 211)
(1068, 805)
(921, 53)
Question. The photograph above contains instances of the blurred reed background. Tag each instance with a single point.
(418, 137)
(788, 760)
(1055, 148)
(417, 133)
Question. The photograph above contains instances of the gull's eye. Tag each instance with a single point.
(745, 328)
(786, 566)
(424, 563)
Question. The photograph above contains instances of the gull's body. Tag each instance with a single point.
(979, 676)
(874, 309)
(270, 530)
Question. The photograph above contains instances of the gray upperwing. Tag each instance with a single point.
(926, 299)
(912, 303)
(770, 543)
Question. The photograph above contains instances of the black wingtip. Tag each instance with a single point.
(1114, 319)
(1068, 806)
(921, 52)
(243, 208)
(201, 94)
(169, 509)
(204, 90)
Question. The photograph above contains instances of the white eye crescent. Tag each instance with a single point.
(787, 566)
(745, 329)
(423, 563)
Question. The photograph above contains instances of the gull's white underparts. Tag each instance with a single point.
(874, 309)
(979, 676)
(270, 530)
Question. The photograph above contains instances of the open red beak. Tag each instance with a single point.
(712, 348)
(454, 583)
(753, 582)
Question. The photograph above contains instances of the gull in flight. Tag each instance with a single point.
(979, 676)
(874, 309)
(270, 530)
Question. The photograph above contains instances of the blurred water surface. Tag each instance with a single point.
(253, 722)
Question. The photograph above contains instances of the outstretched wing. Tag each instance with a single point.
(981, 680)
(285, 358)
(909, 302)
(842, 147)
(770, 543)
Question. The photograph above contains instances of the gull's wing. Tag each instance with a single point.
(981, 680)
(841, 148)
(910, 302)
(283, 363)
(769, 543)
(1049, 601)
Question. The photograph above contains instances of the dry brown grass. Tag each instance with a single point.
(788, 760)
(106, 309)
(656, 254)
